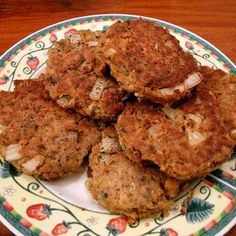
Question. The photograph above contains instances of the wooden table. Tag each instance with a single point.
(214, 20)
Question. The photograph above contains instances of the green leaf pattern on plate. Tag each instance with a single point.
(7, 170)
(198, 210)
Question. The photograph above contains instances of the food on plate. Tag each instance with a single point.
(38, 137)
(185, 141)
(72, 82)
(133, 102)
(75, 52)
(223, 86)
(124, 187)
(89, 94)
(147, 60)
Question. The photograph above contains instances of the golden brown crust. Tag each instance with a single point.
(71, 81)
(223, 86)
(144, 58)
(122, 186)
(50, 141)
(75, 52)
(185, 142)
(91, 95)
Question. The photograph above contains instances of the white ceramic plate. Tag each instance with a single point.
(65, 206)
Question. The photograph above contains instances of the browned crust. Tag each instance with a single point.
(123, 187)
(75, 89)
(223, 86)
(147, 58)
(167, 142)
(70, 79)
(68, 54)
(42, 129)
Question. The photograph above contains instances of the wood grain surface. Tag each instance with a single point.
(214, 20)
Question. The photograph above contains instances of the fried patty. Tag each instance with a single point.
(74, 52)
(223, 85)
(124, 187)
(187, 141)
(89, 94)
(40, 138)
(71, 81)
(147, 60)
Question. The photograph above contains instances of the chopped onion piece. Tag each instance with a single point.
(232, 133)
(192, 80)
(110, 52)
(32, 164)
(152, 131)
(98, 88)
(173, 114)
(232, 86)
(2, 128)
(12, 152)
(195, 137)
(156, 46)
(83, 64)
(172, 90)
(71, 135)
(196, 118)
(104, 158)
(189, 83)
(109, 145)
(168, 44)
(92, 43)
(64, 101)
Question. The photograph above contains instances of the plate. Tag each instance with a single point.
(69, 208)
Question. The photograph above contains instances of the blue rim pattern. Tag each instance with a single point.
(228, 217)
(105, 17)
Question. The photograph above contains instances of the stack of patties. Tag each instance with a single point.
(120, 185)
(131, 99)
(71, 79)
(171, 119)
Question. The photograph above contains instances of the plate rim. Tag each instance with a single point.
(9, 50)
(9, 226)
(30, 37)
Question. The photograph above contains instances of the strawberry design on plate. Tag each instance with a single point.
(168, 232)
(70, 32)
(39, 211)
(61, 228)
(3, 80)
(33, 62)
(117, 225)
(53, 38)
(189, 45)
